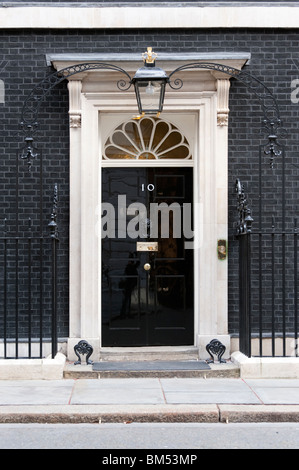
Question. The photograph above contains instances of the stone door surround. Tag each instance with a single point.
(95, 101)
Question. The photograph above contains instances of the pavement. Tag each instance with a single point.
(118, 400)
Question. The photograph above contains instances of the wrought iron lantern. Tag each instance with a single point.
(149, 82)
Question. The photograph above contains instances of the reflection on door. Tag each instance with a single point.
(147, 272)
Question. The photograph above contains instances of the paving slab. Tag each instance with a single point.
(212, 397)
(35, 392)
(208, 391)
(199, 384)
(272, 383)
(276, 391)
(117, 391)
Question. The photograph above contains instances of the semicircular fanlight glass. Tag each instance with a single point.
(146, 139)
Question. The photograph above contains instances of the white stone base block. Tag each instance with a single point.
(266, 367)
(33, 369)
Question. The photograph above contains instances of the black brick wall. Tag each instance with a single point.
(275, 54)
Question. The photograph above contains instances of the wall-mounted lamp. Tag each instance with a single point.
(149, 82)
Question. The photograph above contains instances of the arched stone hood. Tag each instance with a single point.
(131, 62)
(105, 80)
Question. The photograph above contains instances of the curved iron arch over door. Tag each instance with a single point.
(272, 122)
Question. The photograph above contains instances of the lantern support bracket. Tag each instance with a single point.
(271, 123)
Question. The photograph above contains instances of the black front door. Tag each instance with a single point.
(147, 272)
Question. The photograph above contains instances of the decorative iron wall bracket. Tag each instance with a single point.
(30, 111)
(256, 86)
(271, 123)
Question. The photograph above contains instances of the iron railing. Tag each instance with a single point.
(268, 276)
(28, 267)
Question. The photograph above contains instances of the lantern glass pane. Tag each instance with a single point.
(150, 93)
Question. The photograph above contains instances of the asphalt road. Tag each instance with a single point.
(174, 437)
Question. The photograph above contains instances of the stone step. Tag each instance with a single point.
(146, 369)
(163, 353)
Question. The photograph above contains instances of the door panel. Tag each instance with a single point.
(147, 307)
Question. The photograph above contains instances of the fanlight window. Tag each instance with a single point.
(146, 139)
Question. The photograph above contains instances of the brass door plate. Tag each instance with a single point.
(222, 249)
(147, 246)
